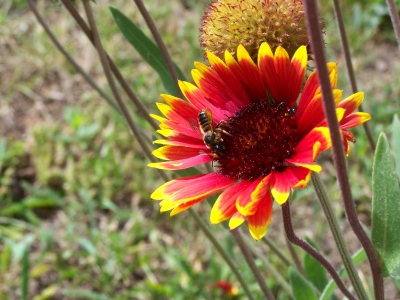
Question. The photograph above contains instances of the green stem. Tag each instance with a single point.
(395, 19)
(318, 49)
(349, 66)
(296, 258)
(222, 252)
(277, 276)
(157, 37)
(248, 256)
(274, 248)
(60, 48)
(107, 72)
(125, 86)
(293, 238)
(338, 236)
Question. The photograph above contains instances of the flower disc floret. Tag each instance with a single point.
(260, 137)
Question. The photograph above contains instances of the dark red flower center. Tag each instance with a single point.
(257, 140)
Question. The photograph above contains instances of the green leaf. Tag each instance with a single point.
(88, 246)
(396, 143)
(396, 277)
(357, 258)
(147, 49)
(5, 257)
(314, 271)
(385, 208)
(302, 290)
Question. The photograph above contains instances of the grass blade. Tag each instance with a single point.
(25, 273)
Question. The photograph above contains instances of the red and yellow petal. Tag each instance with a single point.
(229, 78)
(303, 175)
(352, 102)
(312, 88)
(180, 140)
(277, 70)
(175, 152)
(318, 140)
(182, 127)
(346, 137)
(248, 200)
(204, 186)
(313, 115)
(296, 74)
(259, 221)
(181, 164)
(236, 220)
(225, 206)
(184, 206)
(354, 120)
(282, 64)
(267, 69)
(182, 107)
(209, 81)
(283, 182)
(170, 187)
(246, 71)
(200, 100)
(251, 72)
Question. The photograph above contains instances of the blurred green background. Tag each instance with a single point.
(76, 221)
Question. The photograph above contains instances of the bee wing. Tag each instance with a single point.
(209, 115)
(195, 126)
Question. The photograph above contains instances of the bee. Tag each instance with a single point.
(211, 136)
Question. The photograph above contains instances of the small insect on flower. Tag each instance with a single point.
(211, 136)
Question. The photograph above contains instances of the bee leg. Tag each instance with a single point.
(225, 132)
(219, 130)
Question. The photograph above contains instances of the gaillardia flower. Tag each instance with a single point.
(261, 135)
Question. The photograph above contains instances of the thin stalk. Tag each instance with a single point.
(293, 238)
(222, 252)
(157, 37)
(296, 258)
(106, 68)
(349, 66)
(317, 46)
(248, 256)
(274, 248)
(125, 86)
(75, 65)
(70, 59)
(277, 276)
(338, 236)
(395, 18)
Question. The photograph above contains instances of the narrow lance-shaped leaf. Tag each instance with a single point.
(385, 208)
(302, 290)
(315, 272)
(147, 49)
(396, 143)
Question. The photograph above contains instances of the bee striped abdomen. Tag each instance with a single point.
(205, 120)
